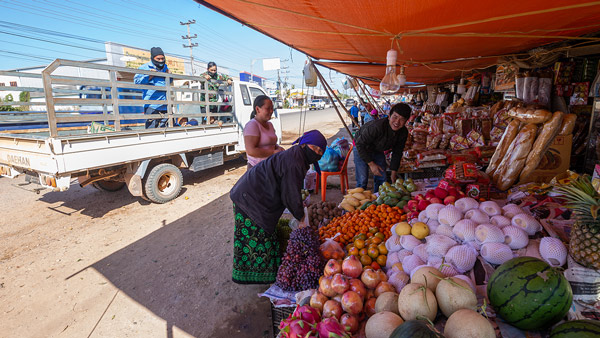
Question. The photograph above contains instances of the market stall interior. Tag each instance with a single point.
(498, 218)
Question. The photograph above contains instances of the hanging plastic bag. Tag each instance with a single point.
(310, 74)
(332, 249)
(330, 160)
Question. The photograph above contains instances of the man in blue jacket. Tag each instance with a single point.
(157, 64)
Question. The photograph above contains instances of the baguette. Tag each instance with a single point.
(532, 116)
(568, 124)
(509, 135)
(518, 156)
(543, 141)
(504, 160)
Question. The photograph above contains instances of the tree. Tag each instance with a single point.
(24, 96)
(8, 98)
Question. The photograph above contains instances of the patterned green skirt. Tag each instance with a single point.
(256, 254)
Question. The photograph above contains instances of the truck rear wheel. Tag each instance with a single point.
(107, 185)
(163, 183)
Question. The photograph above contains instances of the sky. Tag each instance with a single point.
(35, 32)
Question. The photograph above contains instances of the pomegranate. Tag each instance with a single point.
(352, 302)
(325, 287)
(340, 283)
(333, 309)
(384, 287)
(332, 267)
(370, 278)
(352, 267)
(338, 298)
(317, 300)
(382, 275)
(370, 306)
(357, 286)
(350, 322)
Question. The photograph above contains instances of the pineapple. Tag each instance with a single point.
(583, 199)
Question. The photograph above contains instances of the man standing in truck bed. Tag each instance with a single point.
(157, 64)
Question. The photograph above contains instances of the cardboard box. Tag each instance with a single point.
(560, 160)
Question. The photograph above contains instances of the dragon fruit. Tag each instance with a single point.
(331, 328)
(296, 328)
(307, 314)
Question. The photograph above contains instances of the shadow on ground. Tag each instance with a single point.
(80, 199)
(182, 273)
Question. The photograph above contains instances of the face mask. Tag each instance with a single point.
(159, 65)
(311, 156)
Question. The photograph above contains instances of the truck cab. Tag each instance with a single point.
(316, 104)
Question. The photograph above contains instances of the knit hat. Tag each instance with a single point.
(154, 51)
(313, 137)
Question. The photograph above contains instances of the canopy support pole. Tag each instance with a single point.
(364, 89)
(327, 89)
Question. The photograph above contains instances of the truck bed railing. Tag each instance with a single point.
(109, 98)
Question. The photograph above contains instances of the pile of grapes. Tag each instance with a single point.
(302, 263)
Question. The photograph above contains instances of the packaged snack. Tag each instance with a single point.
(458, 142)
(475, 139)
(433, 141)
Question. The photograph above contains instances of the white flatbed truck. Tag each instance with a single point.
(90, 139)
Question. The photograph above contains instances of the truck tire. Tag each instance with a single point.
(107, 185)
(163, 183)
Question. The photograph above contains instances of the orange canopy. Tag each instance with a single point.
(437, 39)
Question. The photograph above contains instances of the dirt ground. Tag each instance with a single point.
(87, 263)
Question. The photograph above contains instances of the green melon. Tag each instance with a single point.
(529, 294)
(415, 329)
(585, 328)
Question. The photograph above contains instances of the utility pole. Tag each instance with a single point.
(190, 45)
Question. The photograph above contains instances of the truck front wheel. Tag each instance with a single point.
(163, 183)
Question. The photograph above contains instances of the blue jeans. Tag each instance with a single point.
(362, 171)
(158, 123)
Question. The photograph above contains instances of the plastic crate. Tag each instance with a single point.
(278, 314)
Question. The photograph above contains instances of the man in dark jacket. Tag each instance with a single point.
(376, 137)
(259, 199)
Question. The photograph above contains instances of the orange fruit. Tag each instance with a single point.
(381, 259)
(363, 252)
(377, 240)
(373, 252)
(380, 235)
(373, 230)
(375, 266)
(353, 251)
(360, 236)
(382, 249)
(359, 243)
(366, 260)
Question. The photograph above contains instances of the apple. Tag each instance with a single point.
(440, 193)
(435, 200)
(422, 205)
(420, 197)
(406, 209)
(449, 200)
(413, 215)
(453, 192)
(429, 195)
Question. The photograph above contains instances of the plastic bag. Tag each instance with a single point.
(342, 146)
(330, 160)
(332, 249)
(310, 75)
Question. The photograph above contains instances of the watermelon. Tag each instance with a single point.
(529, 294)
(415, 329)
(585, 328)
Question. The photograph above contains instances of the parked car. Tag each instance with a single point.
(349, 102)
(316, 104)
(278, 104)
